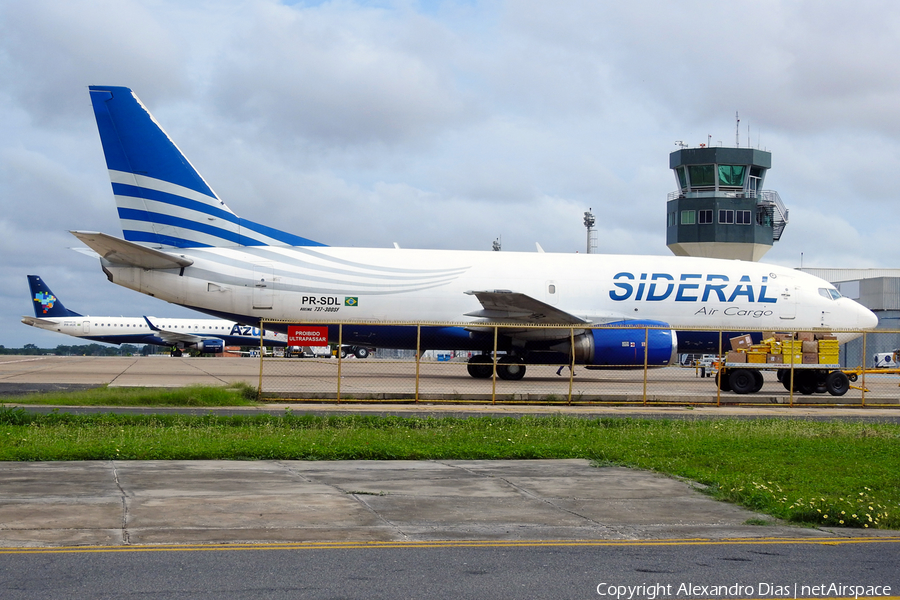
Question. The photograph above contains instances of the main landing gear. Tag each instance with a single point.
(509, 367)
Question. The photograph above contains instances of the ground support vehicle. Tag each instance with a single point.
(747, 378)
(357, 351)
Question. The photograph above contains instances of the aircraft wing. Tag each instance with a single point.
(506, 305)
(122, 252)
(174, 337)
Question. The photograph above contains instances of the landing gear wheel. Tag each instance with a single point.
(853, 377)
(723, 382)
(361, 352)
(480, 366)
(741, 381)
(837, 383)
(511, 368)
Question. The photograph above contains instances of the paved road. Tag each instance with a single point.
(764, 569)
(377, 380)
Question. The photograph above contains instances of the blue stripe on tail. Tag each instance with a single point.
(164, 191)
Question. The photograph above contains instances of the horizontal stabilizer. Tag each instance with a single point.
(121, 252)
(35, 322)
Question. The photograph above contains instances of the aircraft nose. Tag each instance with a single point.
(867, 319)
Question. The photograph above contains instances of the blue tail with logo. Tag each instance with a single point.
(46, 304)
(162, 200)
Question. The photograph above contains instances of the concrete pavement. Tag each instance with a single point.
(192, 502)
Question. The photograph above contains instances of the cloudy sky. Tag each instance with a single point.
(446, 124)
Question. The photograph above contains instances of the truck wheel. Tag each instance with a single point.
(742, 381)
(837, 383)
(722, 382)
(806, 383)
(758, 376)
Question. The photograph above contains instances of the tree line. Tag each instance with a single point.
(81, 350)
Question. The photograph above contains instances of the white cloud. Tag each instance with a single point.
(447, 124)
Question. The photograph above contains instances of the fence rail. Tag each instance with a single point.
(433, 376)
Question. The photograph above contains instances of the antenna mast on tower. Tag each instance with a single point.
(737, 130)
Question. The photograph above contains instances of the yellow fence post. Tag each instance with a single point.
(418, 357)
(646, 347)
(340, 360)
(262, 353)
(719, 374)
(494, 376)
(571, 362)
(863, 385)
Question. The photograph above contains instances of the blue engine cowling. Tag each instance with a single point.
(621, 344)
(211, 345)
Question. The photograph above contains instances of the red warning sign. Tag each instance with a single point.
(307, 335)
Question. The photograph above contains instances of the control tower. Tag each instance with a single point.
(720, 209)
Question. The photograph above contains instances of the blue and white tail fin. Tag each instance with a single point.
(46, 304)
(162, 200)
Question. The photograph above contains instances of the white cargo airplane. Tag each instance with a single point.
(184, 245)
(203, 335)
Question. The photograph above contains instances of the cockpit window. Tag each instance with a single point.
(829, 293)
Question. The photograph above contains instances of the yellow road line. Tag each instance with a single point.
(361, 545)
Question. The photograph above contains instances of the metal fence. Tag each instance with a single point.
(417, 375)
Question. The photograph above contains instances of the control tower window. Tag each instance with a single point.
(726, 216)
(688, 217)
(682, 178)
(702, 176)
(732, 175)
(705, 216)
(742, 217)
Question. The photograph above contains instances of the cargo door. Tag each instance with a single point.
(787, 300)
(263, 286)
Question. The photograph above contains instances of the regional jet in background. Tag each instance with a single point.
(203, 335)
(182, 244)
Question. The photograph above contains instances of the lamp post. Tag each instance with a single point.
(589, 223)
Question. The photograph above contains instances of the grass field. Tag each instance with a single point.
(823, 473)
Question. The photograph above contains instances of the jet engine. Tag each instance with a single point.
(211, 346)
(621, 344)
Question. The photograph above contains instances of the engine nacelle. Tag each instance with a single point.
(211, 346)
(621, 344)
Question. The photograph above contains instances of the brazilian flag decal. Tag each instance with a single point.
(351, 301)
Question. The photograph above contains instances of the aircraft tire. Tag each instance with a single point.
(741, 381)
(361, 352)
(837, 383)
(480, 366)
(511, 368)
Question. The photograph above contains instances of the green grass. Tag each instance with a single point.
(818, 473)
(235, 394)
